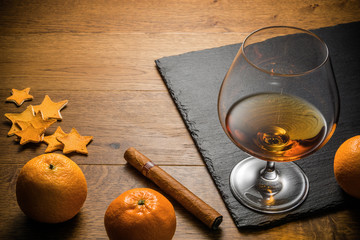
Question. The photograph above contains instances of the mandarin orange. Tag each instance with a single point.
(140, 214)
(51, 188)
(347, 166)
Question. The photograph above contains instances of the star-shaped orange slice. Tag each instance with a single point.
(74, 142)
(26, 115)
(19, 96)
(53, 143)
(30, 134)
(50, 109)
(37, 121)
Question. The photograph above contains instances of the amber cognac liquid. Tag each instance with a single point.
(276, 127)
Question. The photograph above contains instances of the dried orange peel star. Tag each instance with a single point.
(53, 143)
(30, 134)
(37, 121)
(25, 116)
(50, 109)
(74, 142)
(19, 96)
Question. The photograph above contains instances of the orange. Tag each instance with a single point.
(51, 188)
(347, 166)
(140, 214)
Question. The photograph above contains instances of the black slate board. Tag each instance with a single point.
(193, 81)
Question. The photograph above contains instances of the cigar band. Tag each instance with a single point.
(146, 168)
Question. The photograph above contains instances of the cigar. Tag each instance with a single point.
(171, 186)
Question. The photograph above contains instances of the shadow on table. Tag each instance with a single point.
(22, 227)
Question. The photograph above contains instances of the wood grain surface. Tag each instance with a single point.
(100, 56)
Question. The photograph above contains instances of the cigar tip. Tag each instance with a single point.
(217, 222)
(130, 151)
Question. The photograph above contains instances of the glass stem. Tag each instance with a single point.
(269, 172)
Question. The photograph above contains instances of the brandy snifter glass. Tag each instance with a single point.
(279, 103)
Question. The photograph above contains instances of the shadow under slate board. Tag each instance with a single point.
(193, 80)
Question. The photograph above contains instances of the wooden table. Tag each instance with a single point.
(100, 56)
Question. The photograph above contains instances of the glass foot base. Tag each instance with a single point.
(287, 188)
